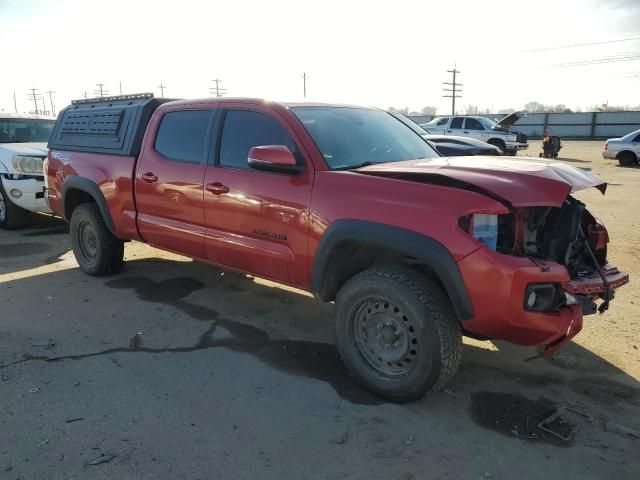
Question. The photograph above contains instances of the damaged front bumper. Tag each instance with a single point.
(498, 285)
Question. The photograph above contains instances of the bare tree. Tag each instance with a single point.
(428, 110)
(403, 111)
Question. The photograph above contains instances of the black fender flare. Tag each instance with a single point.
(74, 182)
(424, 249)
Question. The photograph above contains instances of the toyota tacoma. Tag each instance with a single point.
(416, 250)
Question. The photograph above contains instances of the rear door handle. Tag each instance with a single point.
(149, 177)
(217, 188)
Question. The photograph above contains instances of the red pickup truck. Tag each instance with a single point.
(348, 203)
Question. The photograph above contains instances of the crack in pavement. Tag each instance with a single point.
(300, 358)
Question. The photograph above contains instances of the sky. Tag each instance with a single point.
(375, 53)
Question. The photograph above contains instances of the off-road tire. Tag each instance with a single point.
(97, 250)
(11, 215)
(626, 159)
(404, 297)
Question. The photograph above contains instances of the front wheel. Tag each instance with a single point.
(97, 250)
(11, 215)
(397, 333)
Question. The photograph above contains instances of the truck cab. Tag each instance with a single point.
(498, 133)
(23, 148)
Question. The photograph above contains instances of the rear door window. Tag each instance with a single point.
(473, 124)
(456, 122)
(182, 136)
(244, 129)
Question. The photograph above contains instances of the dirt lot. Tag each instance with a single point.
(177, 370)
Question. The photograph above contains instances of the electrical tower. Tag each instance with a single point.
(452, 92)
(218, 90)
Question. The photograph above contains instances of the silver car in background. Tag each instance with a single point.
(625, 149)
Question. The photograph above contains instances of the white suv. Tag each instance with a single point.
(23, 148)
(481, 128)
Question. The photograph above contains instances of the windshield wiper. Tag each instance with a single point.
(353, 167)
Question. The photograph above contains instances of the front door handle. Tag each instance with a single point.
(217, 188)
(466, 132)
(149, 177)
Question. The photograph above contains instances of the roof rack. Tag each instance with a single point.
(132, 96)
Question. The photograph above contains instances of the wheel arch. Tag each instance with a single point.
(497, 141)
(77, 190)
(350, 246)
(630, 152)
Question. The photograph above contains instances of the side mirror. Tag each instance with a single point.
(273, 158)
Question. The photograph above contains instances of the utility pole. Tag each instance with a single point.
(34, 96)
(53, 108)
(218, 90)
(162, 87)
(304, 84)
(120, 84)
(453, 92)
(85, 93)
(101, 91)
(15, 102)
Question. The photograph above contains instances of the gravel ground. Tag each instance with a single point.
(174, 369)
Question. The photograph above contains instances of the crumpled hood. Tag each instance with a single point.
(521, 182)
(38, 149)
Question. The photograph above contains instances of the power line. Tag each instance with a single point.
(547, 49)
(627, 57)
(454, 90)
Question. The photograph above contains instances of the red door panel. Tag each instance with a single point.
(169, 193)
(260, 225)
(257, 221)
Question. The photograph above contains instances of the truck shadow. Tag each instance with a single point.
(292, 332)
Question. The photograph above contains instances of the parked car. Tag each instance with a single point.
(450, 145)
(496, 133)
(625, 149)
(23, 147)
(346, 203)
(454, 146)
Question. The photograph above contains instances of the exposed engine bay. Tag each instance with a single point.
(568, 235)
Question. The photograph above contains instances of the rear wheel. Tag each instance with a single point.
(397, 333)
(626, 159)
(11, 215)
(97, 250)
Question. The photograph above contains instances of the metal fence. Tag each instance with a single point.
(589, 125)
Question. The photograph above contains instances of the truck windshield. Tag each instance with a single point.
(349, 137)
(22, 130)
